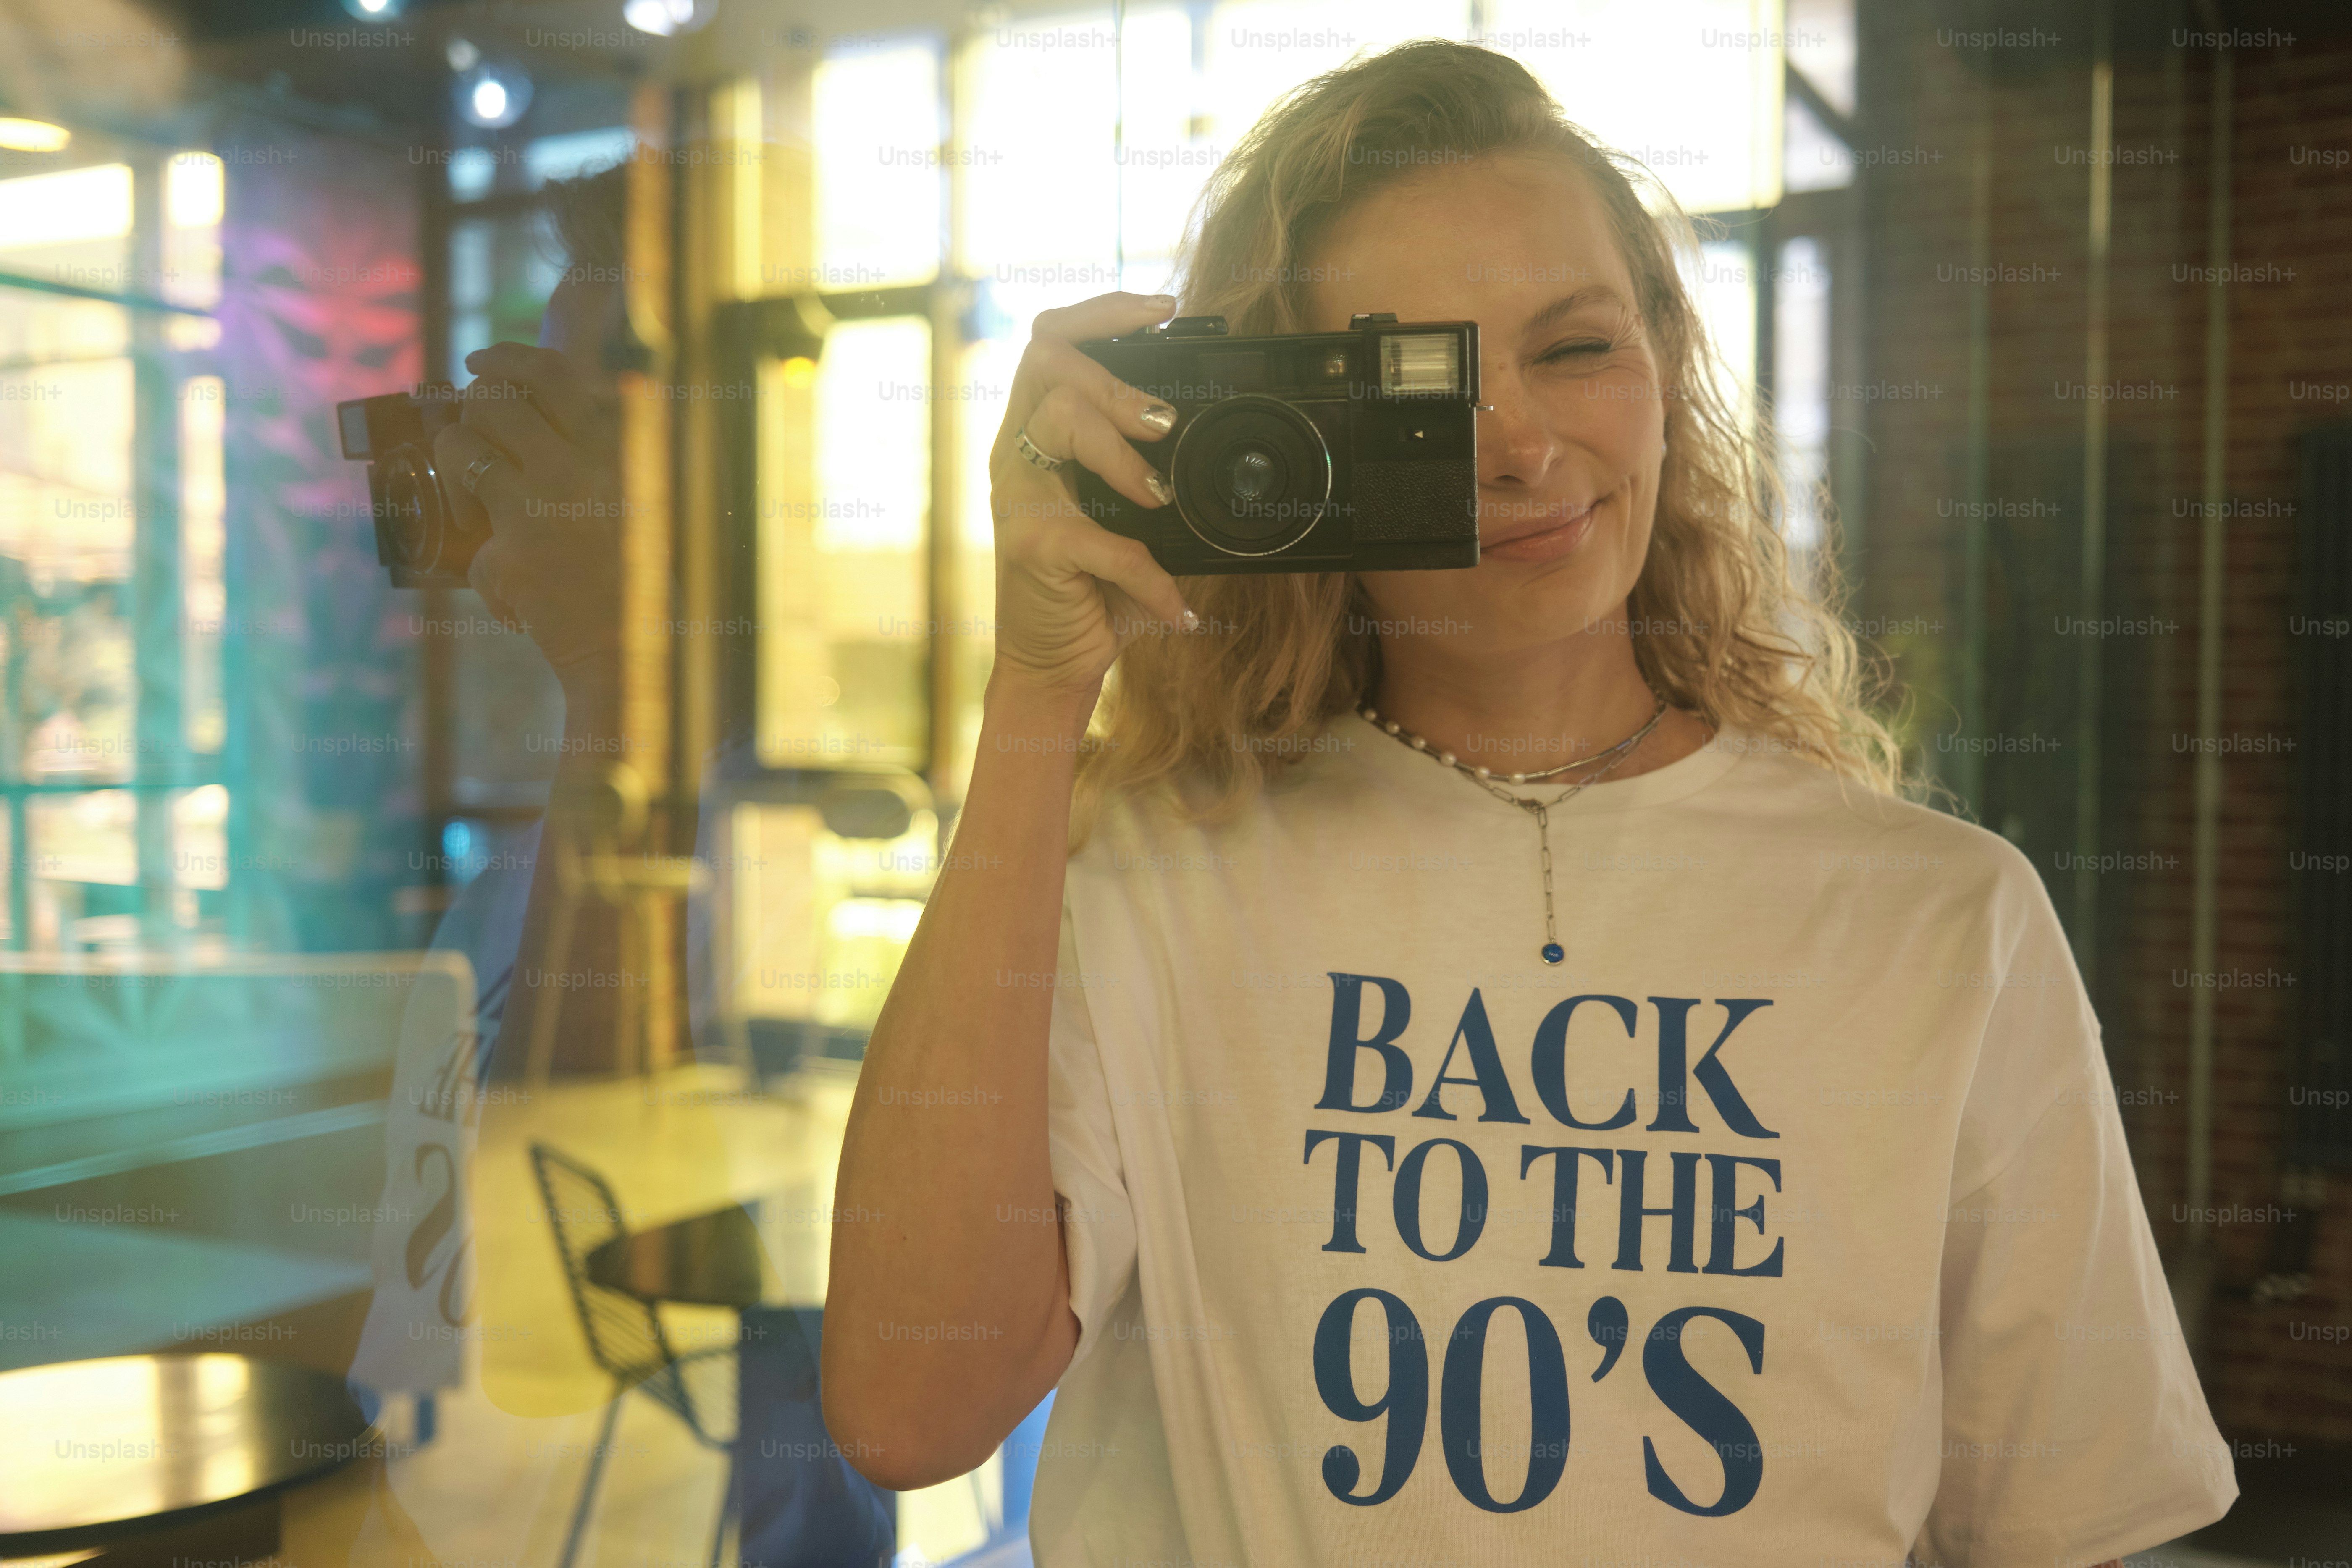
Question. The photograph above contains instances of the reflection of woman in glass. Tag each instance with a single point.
(1333, 1125)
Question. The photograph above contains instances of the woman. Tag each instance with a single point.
(1334, 1126)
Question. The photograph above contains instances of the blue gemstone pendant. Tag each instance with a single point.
(1553, 951)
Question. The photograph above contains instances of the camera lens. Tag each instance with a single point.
(1252, 475)
(413, 499)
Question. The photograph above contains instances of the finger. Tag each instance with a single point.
(500, 410)
(486, 575)
(1125, 564)
(500, 493)
(1136, 413)
(556, 385)
(1105, 316)
(1066, 425)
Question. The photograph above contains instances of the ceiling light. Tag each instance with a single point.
(493, 96)
(33, 136)
(664, 17)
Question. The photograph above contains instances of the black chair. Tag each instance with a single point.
(625, 1337)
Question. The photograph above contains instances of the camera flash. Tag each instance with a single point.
(1420, 364)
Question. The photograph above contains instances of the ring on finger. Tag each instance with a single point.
(1028, 449)
(472, 477)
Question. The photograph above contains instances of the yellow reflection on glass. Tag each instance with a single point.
(1723, 283)
(845, 488)
(196, 190)
(1260, 49)
(1161, 163)
(200, 837)
(878, 165)
(70, 205)
(32, 135)
(220, 1383)
(1040, 120)
(84, 838)
(822, 922)
(1613, 65)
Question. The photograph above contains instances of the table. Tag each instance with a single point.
(723, 1258)
(796, 1498)
(155, 1458)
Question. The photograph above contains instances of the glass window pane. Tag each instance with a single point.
(1820, 44)
(1800, 382)
(1814, 159)
(971, 626)
(1713, 138)
(204, 538)
(88, 838)
(200, 838)
(196, 190)
(577, 153)
(1163, 154)
(508, 707)
(1039, 110)
(845, 488)
(65, 453)
(1724, 283)
(501, 271)
(72, 227)
(1259, 49)
(878, 196)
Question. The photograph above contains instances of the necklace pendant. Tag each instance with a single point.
(1553, 951)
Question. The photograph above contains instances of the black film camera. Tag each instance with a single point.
(1307, 452)
(418, 534)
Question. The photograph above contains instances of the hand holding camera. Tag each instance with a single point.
(1069, 594)
(511, 486)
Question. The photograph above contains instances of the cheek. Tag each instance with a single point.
(1617, 419)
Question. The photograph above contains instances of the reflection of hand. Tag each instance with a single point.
(1069, 592)
(553, 561)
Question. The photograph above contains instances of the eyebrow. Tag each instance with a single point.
(1568, 305)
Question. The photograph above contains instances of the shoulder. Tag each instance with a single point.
(1845, 831)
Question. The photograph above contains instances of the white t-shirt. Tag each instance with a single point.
(1347, 1299)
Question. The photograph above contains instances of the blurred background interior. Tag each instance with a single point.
(2051, 306)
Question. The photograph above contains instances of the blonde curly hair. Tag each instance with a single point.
(1720, 628)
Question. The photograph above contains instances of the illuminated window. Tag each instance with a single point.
(1800, 382)
(196, 192)
(1039, 119)
(844, 539)
(878, 207)
(821, 921)
(1691, 88)
(1723, 282)
(204, 540)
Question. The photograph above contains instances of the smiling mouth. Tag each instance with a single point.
(1546, 535)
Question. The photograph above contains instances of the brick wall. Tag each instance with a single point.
(2025, 117)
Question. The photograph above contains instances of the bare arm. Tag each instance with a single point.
(552, 568)
(948, 1315)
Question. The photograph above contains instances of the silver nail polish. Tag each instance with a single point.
(1159, 417)
(1159, 488)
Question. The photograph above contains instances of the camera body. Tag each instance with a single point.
(419, 536)
(1354, 451)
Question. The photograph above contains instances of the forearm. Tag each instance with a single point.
(568, 959)
(948, 1313)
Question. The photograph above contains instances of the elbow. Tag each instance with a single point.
(895, 1438)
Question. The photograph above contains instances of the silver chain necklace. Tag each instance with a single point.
(1551, 952)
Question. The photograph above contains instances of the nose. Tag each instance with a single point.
(1514, 446)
